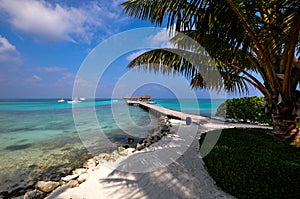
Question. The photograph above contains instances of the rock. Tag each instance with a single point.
(124, 152)
(148, 137)
(147, 144)
(69, 177)
(145, 141)
(61, 183)
(140, 146)
(104, 156)
(16, 197)
(79, 171)
(83, 177)
(127, 151)
(97, 159)
(34, 194)
(130, 150)
(163, 120)
(120, 149)
(130, 140)
(73, 183)
(151, 142)
(157, 136)
(114, 156)
(90, 164)
(141, 140)
(165, 128)
(46, 186)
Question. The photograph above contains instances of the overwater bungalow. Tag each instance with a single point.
(145, 97)
(135, 98)
(127, 97)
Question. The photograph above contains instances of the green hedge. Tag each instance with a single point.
(247, 163)
(245, 109)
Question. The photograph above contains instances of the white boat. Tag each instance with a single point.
(74, 101)
(61, 100)
(82, 98)
(151, 102)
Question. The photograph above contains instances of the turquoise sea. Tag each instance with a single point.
(39, 140)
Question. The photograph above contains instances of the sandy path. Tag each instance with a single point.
(151, 174)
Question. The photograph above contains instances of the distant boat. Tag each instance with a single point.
(151, 102)
(74, 101)
(61, 100)
(82, 98)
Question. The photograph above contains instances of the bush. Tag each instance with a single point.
(247, 108)
(248, 163)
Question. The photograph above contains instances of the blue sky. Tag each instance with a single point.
(44, 43)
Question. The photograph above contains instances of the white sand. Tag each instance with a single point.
(170, 168)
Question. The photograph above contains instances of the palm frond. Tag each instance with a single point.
(259, 36)
(194, 66)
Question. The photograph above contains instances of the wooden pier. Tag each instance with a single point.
(161, 111)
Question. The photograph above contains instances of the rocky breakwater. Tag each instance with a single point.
(80, 175)
(165, 128)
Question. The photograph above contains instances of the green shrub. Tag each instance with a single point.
(247, 163)
(246, 109)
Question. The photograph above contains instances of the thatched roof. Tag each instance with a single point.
(145, 97)
(126, 97)
(135, 97)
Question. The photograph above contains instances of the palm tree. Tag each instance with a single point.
(243, 37)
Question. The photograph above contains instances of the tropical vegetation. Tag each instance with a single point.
(246, 109)
(247, 163)
(243, 37)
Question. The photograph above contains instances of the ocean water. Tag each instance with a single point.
(40, 141)
(204, 107)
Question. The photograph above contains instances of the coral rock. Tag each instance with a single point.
(83, 177)
(34, 194)
(69, 177)
(90, 164)
(46, 186)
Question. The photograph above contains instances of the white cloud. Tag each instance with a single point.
(51, 69)
(55, 22)
(8, 52)
(37, 78)
(161, 39)
(134, 55)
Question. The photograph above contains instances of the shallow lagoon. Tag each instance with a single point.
(39, 140)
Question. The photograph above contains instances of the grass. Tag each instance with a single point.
(247, 163)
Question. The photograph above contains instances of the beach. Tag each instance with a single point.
(130, 176)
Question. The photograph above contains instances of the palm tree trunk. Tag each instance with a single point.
(286, 128)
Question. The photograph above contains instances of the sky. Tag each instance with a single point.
(45, 45)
